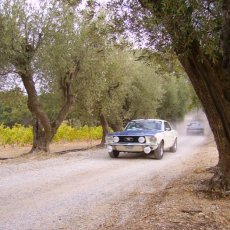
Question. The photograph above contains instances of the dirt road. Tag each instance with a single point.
(81, 190)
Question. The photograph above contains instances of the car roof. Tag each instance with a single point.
(148, 120)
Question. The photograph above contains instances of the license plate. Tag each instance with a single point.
(129, 146)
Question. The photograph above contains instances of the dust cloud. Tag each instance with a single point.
(197, 115)
(188, 143)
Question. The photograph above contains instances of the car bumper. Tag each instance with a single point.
(130, 147)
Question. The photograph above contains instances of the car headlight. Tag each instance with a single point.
(116, 139)
(153, 139)
(141, 139)
(109, 138)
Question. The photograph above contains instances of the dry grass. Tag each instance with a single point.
(14, 151)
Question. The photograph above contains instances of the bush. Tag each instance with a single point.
(21, 135)
(18, 134)
(68, 133)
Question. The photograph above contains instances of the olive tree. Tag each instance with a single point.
(118, 88)
(42, 44)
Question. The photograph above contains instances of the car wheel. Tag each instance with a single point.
(173, 149)
(114, 154)
(159, 152)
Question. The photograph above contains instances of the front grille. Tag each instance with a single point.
(130, 139)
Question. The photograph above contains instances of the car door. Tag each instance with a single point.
(169, 135)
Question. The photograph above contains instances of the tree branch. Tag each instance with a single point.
(69, 96)
(39, 42)
(8, 72)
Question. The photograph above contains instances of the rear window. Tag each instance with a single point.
(195, 124)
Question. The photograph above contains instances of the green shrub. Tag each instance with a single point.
(18, 134)
(21, 135)
(68, 133)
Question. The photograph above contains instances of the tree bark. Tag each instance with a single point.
(210, 84)
(115, 126)
(105, 127)
(40, 143)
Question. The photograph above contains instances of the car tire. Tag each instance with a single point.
(173, 149)
(114, 154)
(159, 152)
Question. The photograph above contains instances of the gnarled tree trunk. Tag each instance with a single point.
(105, 127)
(213, 89)
(43, 128)
(40, 142)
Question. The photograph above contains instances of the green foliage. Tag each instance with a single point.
(109, 78)
(171, 25)
(21, 135)
(195, 102)
(118, 86)
(13, 108)
(176, 100)
(51, 104)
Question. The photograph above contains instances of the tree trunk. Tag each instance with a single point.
(213, 88)
(105, 127)
(40, 142)
(43, 129)
(115, 126)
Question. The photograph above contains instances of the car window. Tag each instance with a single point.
(167, 126)
(144, 125)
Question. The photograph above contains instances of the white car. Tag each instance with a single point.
(150, 136)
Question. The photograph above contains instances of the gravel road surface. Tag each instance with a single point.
(79, 190)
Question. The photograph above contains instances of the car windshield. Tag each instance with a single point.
(144, 125)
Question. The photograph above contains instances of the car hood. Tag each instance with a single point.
(135, 133)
